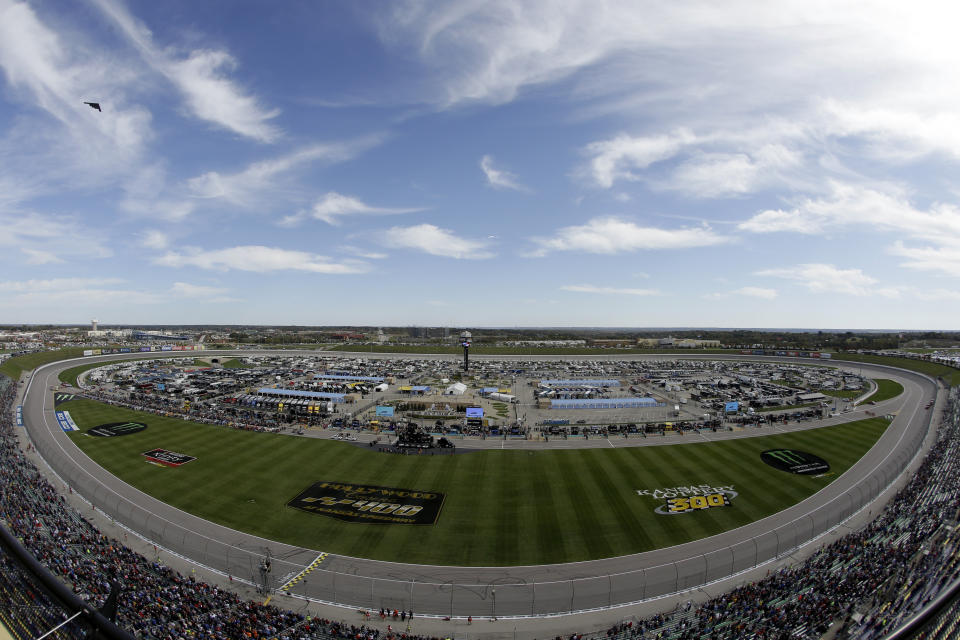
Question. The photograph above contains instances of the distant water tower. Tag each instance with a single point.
(93, 324)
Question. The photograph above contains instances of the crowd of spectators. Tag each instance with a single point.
(864, 583)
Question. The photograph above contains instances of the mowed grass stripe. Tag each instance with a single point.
(502, 507)
(546, 524)
(622, 512)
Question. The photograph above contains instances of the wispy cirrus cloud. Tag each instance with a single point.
(333, 206)
(249, 187)
(436, 241)
(499, 178)
(610, 291)
(201, 76)
(615, 235)
(826, 278)
(258, 259)
(763, 293)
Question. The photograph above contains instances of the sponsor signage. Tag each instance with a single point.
(793, 461)
(474, 412)
(371, 504)
(144, 349)
(112, 429)
(686, 499)
(19, 415)
(694, 503)
(65, 421)
(88, 352)
(384, 412)
(167, 458)
(731, 407)
(60, 398)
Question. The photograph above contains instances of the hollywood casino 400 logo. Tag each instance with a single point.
(690, 498)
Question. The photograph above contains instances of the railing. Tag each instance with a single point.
(48, 606)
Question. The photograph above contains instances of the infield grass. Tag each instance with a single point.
(886, 389)
(502, 507)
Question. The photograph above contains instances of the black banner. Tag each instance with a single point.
(113, 429)
(793, 461)
(167, 458)
(366, 503)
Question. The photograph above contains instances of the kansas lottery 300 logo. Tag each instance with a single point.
(686, 499)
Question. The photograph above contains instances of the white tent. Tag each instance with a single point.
(456, 389)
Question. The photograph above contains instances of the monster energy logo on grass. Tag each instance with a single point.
(116, 429)
(793, 461)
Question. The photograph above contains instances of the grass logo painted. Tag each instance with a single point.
(367, 503)
(113, 429)
(793, 461)
(687, 499)
(167, 458)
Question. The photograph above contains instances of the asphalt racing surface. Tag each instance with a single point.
(496, 591)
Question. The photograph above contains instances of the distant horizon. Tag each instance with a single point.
(493, 327)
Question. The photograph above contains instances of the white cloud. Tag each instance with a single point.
(614, 235)
(55, 72)
(258, 259)
(155, 239)
(938, 294)
(619, 157)
(498, 178)
(188, 290)
(435, 241)
(756, 292)
(49, 239)
(589, 288)
(944, 260)
(364, 253)
(87, 291)
(864, 209)
(39, 256)
(201, 78)
(58, 284)
(333, 205)
(826, 278)
(247, 188)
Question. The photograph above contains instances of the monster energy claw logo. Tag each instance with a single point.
(793, 461)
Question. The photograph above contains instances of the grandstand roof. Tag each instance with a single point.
(581, 383)
(340, 376)
(602, 403)
(294, 393)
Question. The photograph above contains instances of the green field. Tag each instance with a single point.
(886, 389)
(13, 367)
(70, 375)
(950, 375)
(502, 507)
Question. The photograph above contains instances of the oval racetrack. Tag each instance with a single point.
(497, 591)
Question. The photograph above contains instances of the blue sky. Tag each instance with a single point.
(480, 163)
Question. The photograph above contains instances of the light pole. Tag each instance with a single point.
(465, 337)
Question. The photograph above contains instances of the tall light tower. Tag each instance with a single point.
(465, 343)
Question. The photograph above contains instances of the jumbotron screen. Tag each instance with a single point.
(474, 412)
